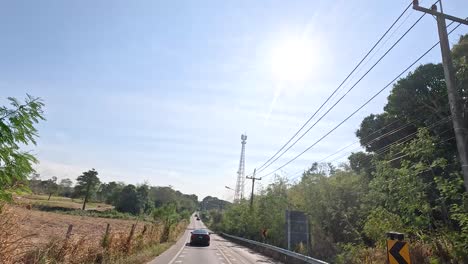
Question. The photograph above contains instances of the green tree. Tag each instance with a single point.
(17, 127)
(128, 200)
(110, 192)
(168, 215)
(213, 203)
(416, 101)
(65, 187)
(271, 206)
(86, 185)
(35, 182)
(362, 163)
(52, 186)
(144, 202)
(163, 195)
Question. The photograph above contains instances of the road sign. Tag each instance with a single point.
(297, 229)
(398, 252)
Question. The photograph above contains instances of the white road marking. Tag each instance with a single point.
(180, 250)
(220, 251)
(234, 252)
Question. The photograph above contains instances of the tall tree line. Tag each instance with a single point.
(127, 198)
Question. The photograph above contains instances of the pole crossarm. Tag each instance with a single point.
(433, 11)
(253, 184)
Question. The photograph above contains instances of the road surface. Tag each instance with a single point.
(220, 251)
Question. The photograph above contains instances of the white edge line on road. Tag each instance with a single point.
(223, 255)
(180, 250)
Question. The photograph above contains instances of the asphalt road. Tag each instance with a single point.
(220, 251)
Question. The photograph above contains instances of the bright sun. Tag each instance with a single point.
(293, 60)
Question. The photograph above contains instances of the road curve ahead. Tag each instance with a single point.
(220, 251)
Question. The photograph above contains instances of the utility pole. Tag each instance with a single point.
(460, 124)
(253, 185)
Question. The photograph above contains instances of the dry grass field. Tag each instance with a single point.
(59, 202)
(33, 236)
(47, 225)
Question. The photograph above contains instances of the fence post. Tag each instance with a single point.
(152, 231)
(105, 239)
(70, 228)
(129, 240)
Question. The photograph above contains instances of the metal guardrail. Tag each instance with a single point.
(286, 252)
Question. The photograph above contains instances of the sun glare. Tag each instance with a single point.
(293, 60)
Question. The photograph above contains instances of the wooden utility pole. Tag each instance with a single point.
(253, 185)
(460, 124)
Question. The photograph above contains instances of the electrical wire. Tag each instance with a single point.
(347, 92)
(387, 147)
(336, 90)
(359, 108)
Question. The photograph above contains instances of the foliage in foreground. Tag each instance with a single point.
(17, 127)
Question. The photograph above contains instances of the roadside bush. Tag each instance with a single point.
(379, 222)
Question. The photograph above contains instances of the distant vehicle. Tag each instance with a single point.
(198, 218)
(200, 237)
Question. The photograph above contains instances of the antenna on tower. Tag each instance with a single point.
(239, 192)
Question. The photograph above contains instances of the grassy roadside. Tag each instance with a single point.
(146, 254)
(31, 236)
(150, 252)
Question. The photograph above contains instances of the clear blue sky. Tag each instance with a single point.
(160, 91)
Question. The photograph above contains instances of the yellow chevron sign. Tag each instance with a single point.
(398, 252)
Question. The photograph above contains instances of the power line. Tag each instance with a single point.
(408, 138)
(380, 47)
(381, 150)
(358, 109)
(392, 144)
(347, 92)
(370, 142)
(336, 90)
(387, 147)
(414, 152)
(375, 132)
